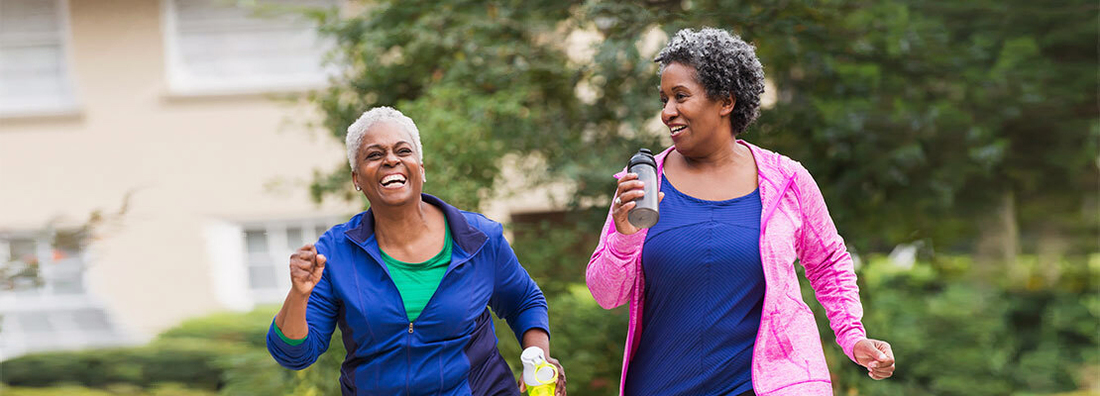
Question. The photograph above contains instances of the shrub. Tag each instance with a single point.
(249, 328)
(254, 371)
(957, 335)
(188, 363)
(125, 390)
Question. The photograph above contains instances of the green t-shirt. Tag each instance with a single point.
(417, 282)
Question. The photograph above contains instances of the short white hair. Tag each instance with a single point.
(373, 116)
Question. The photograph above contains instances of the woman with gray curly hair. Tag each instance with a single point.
(713, 282)
(411, 282)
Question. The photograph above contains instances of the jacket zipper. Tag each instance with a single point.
(408, 357)
(763, 228)
(408, 337)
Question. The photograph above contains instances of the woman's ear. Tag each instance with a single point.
(423, 174)
(728, 104)
(355, 180)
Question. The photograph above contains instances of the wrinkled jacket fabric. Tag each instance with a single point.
(787, 357)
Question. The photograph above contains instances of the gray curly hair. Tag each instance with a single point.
(725, 65)
(373, 116)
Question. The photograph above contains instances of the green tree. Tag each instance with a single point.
(480, 80)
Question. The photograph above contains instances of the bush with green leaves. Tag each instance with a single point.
(957, 335)
(253, 371)
(113, 390)
(191, 363)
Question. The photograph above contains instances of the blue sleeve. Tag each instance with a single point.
(516, 298)
(321, 318)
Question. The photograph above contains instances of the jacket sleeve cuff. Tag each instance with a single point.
(286, 347)
(287, 340)
(623, 245)
(531, 318)
(849, 340)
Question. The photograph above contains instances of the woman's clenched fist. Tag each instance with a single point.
(306, 267)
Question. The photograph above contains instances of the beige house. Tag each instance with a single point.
(166, 121)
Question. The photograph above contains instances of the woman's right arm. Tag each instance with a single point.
(613, 267)
(303, 327)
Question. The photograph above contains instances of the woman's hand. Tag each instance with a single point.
(559, 388)
(876, 356)
(537, 337)
(306, 267)
(630, 188)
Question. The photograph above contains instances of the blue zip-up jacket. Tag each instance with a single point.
(451, 348)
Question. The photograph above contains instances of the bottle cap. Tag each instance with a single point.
(644, 156)
(546, 374)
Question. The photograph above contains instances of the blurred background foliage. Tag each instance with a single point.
(960, 136)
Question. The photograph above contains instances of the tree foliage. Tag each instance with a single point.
(915, 116)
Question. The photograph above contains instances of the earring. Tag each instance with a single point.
(357, 188)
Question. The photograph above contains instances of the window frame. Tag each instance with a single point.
(278, 249)
(64, 106)
(43, 249)
(182, 84)
(57, 310)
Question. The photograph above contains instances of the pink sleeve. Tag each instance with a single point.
(828, 265)
(614, 265)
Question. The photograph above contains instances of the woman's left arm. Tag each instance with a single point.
(519, 301)
(516, 298)
(832, 275)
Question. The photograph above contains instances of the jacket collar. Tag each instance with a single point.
(467, 238)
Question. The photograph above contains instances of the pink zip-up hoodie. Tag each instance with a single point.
(787, 358)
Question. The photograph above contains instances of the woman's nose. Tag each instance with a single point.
(668, 112)
(392, 159)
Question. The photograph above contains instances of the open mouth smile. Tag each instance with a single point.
(393, 181)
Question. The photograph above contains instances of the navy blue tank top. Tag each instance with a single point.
(704, 287)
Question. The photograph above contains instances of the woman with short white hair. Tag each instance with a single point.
(410, 283)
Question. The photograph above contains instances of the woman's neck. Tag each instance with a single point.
(401, 223)
(721, 155)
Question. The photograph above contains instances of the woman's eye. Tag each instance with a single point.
(664, 100)
(374, 155)
(680, 96)
(404, 151)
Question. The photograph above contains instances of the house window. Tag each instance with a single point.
(42, 265)
(243, 46)
(34, 75)
(44, 304)
(268, 247)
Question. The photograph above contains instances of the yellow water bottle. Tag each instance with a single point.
(540, 376)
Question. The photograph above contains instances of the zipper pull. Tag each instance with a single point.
(410, 328)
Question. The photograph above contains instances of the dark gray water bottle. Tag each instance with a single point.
(644, 214)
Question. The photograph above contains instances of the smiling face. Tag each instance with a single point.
(387, 168)
(695, 121)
